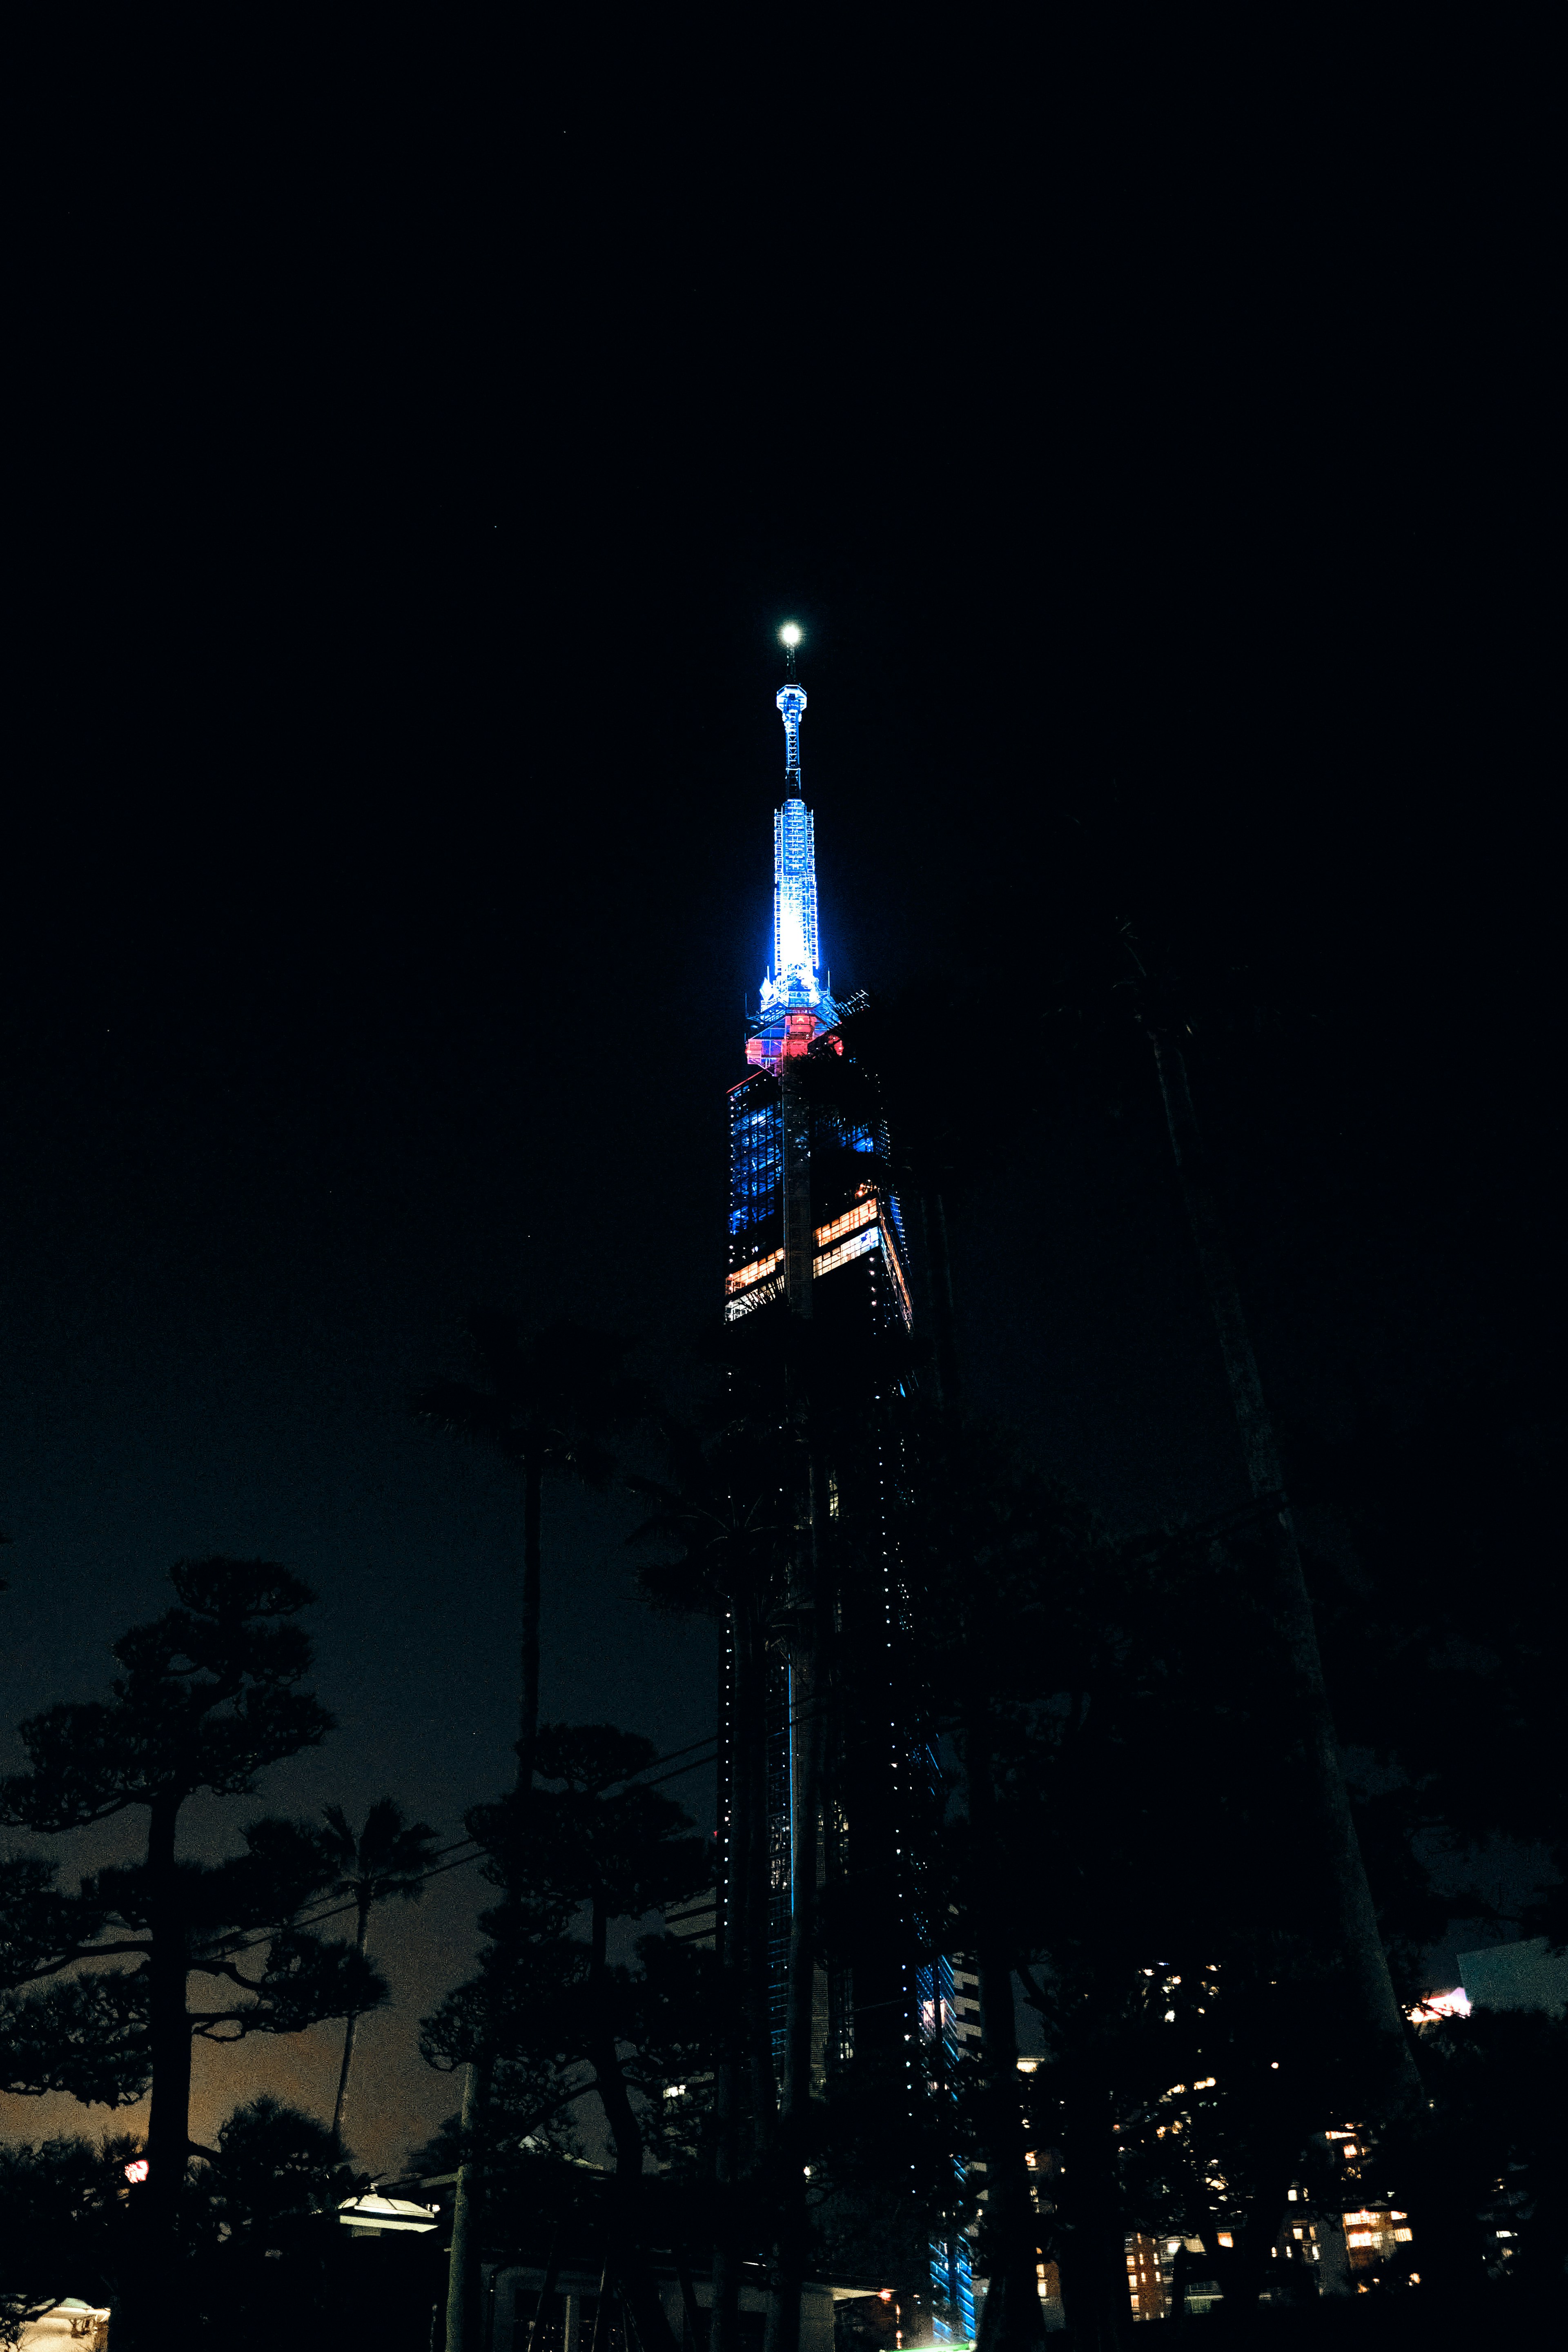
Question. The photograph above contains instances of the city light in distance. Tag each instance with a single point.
(790, 633)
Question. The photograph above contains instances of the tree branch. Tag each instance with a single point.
(88, 1952)
(227, 1969)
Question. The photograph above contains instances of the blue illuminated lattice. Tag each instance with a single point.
(756, 1166)
(796, 948)
(790, 704)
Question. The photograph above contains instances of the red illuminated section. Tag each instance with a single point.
(781, 1040)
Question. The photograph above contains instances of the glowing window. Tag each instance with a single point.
(756, 1167)
(735, 1308)
(863, 1213)
(828, 1260)
(758, 1271)
(897, 1271)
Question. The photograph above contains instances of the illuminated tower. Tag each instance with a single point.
(795, 1005)
(817, 1233)
(808, 1184)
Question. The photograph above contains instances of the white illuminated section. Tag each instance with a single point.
(793, 957)
(1437, 2005)
(793, 982)
(758, 1271)
(794, 978)
(790, 633)
(828, 1261)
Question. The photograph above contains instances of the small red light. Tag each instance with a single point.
(137, 2168)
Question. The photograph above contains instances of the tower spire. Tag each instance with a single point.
(794, 1003)
(791, 701)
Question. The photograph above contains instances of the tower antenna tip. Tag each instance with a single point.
(790, 635)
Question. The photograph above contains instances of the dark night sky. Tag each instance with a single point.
(390, 847)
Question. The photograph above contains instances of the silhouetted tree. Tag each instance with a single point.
(1393, 2081)
(722, 1520)
(1405, 1521)
(1130, 1753)
(991, 1552)
(255, 2258)
(208, 1697)
(389, 1856)
(66, 2225)
(268, 2259)
(553, 1400)
(561, 2020)
(1485, 2155)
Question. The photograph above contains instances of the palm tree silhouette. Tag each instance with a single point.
(389, 1856)
(553, 1401)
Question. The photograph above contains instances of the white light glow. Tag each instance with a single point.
(789, 635)
(1440, 2004)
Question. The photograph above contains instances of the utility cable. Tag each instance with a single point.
(226, 1949)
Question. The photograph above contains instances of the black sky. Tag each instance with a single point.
(389, 851)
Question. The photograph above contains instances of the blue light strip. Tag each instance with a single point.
(794, 979)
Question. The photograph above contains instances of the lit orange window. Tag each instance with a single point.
(758, 1271)
(863, 1213)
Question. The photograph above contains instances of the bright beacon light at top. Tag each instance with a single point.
(790, 633)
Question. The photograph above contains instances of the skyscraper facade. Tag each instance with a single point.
(816, 1238)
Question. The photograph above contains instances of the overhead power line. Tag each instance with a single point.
(227, 1949)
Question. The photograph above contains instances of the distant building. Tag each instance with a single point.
(1148, 2282)
(695, 1922)
(1516, 1976)
(1041, 2161)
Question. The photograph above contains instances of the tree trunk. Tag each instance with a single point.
(361, 1940)
(724, 2327)
(169, 2123)
(463, 2263)
(1011, 2320)
(527, 1702)
(629, 2257)
(689, 2302)
(542, 2312)
(1094, 2270)
(142, 2317)
(462, 2286)
(1352, 1912)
